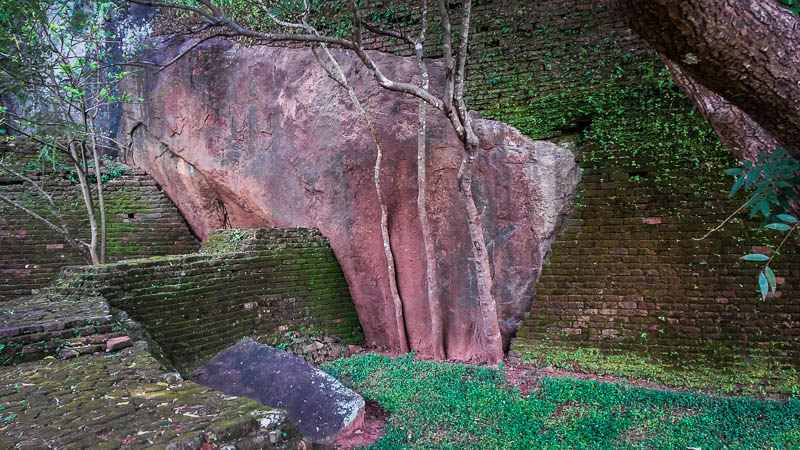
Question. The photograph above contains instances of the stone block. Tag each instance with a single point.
(318, 405)
(118, 343)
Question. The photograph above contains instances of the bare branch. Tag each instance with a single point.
(35, 185)
(447, 54)
(356, 24)
(192, 47)
(461, 64)
(373, 28)
(159, 4)
(728, 219)
(64, 233)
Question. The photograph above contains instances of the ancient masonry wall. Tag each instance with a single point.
(628, 274)
(257, 283)
(141, 222)
(522, 53)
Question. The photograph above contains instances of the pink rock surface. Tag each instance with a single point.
(248, 137)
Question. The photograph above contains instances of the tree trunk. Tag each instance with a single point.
(387, 247)
(100, 201)
(489, 334)
(745, 51)
(335, 71)
(86, 193)
(740, 133)
(431, 280)
(432, 283)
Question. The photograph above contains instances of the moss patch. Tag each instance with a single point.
(445, 405)
(752, 374)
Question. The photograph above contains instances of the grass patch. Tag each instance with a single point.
(443, 405)
(733, 374)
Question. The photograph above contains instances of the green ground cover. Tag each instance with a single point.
(443, 405)
(758, 373)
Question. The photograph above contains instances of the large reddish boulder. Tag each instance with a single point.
(260, 136)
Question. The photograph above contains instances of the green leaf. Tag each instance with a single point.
(788, 218)
(736, 186)
(735, 172)
(752, 176)
(755, 257)
(763, 206)
(773, 283)
(779, 227)
(763, 284)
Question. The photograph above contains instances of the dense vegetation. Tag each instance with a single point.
(444, 405)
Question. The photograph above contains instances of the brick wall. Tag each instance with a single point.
(627, 273)
(141, 222)
(522, 51)
(258, 283)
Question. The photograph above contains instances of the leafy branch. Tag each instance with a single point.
(774, 180)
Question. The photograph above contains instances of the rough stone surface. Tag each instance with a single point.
(318, 405)
(260, 136)
(49, 325)
(128, 401)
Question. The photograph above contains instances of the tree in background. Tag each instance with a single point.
(292, 17)
(54, 63)
(739, 63)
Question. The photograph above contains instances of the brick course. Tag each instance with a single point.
(258, 283)
(141, 222)
(626, 273)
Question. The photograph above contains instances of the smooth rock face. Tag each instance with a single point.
(319, 406)
(250, 137)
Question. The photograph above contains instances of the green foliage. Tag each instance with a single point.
(791, 5)
(723, 370)
(442, 405)
(772, 181)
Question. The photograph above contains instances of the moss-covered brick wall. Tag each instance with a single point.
(627, 273)
(255, 282)
(525, 55)
(535, 64)
(141, 222)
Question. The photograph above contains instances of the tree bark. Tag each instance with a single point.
(737, 130)
(86, 193)
(337, 74)
(431, 280)
(101, 203)
(745, 51)
(489, 334)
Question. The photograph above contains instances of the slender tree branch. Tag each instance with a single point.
(447, 55)
(728, 219)
(785, 238)
(192, 47)
(356, 24)
(373, 28)
(460, 75)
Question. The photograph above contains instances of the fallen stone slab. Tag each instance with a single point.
(318, 405)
